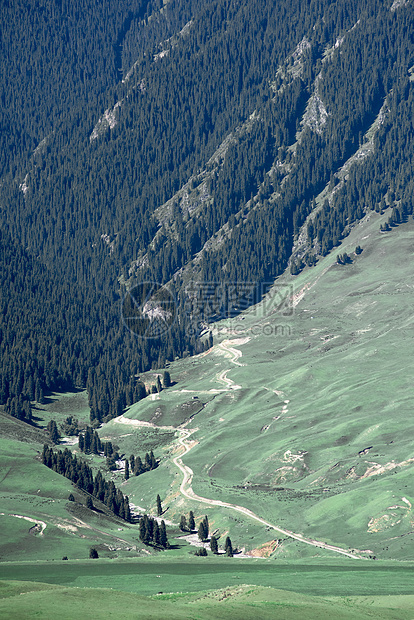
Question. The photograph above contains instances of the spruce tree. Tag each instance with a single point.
(53, 431)
(126, 469)
(166, 379)
(228, 547)
(206, 526)
(183, 523)
(159, 506)
(143, 530)
(152, 460)
(157, 534)
(202, 533)
(127, 510)
(213, 544)
(138, 466)
(191, 521)
(158, 384)
(163, 536)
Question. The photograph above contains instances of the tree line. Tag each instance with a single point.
(79, 472)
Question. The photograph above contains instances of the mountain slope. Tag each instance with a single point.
(306, 418)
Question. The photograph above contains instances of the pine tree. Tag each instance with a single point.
(202, 532)
(213, 544)
(166, 379)
(191, 521)
(127, 509)
(152, 460)
(87, 440)
(158, 384)
(157, 534)
(206, 526)
(143, 530)
(228, 547)
(163, 536)
(138, 467)
(159, 506)
(53, 431)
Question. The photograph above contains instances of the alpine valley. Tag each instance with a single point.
(206, 336)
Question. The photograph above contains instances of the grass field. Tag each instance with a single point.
(245, 602)
(104, 588)
(148, 576)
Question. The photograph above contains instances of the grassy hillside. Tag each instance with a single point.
(304, 418)
(37, 520)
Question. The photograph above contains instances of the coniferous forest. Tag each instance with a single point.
(181, 142)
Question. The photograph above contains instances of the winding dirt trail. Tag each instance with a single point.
(227, 346)
(41, 525)
(187, 491)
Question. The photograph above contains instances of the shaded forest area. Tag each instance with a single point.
(77, 197)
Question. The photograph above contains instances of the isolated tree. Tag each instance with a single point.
(206, 526)
(191, 521)
(71, 497)
(213, 544)
(183, 524)
(126, 475)
(166, 379)
(89, 503)
(53, 431)
(93, 553)
(159, 506)
(228, 548)
(158, 384)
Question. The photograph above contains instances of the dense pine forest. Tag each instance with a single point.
(177, 143)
